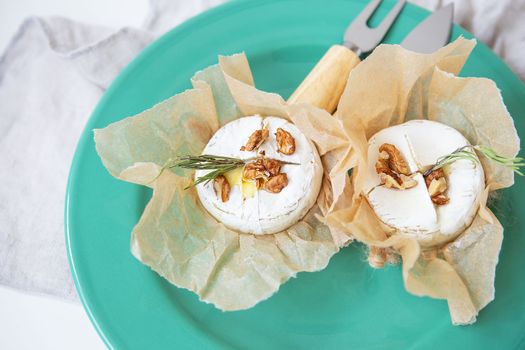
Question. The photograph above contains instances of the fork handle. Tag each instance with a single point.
(325, 83)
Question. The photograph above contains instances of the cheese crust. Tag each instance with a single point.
(263, 212)
(411, 212)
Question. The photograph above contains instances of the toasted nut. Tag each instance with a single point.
(273, 166)
(285, 142)
(396, 162)
(437, 186)
(436, 174)
(392, 168)
(401, 182)
(262, 168)
(407, 182)
(259, 183)
(388, 181)
(275, 184)
(222, 187)
(382, 165)
(386, 173)
(255, 170)
(256, 139)
(262, 171)
(440, 199)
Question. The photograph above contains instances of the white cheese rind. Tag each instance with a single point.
(266, 212)
(408, 210)
(411, 212)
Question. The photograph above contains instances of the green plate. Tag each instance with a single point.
(348, 305)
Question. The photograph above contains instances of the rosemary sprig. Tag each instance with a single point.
(205, 161)
(219, 164)
(514, 163)
(467, 152)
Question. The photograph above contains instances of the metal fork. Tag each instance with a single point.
(324, 85)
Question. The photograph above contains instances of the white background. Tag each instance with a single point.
(40, 322)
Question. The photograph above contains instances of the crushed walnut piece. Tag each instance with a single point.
(393, 169)
(394, 159)
(275, 184)
(285, 142)
(273, 166)
(267, 174)
(222, 187)
(262, 168)
(440, 199)
(255, 170)
(256, 139)
(259, 183)
(436, 174)
(437, 186)
(400, 182)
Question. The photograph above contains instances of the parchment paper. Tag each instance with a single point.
(179, 240)
(175, 236)
(389, 87)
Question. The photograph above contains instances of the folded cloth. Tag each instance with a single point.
(499, 24)
(52, 75)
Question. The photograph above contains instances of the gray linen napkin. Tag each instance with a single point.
(51, 77)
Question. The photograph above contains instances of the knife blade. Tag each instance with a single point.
(431, 34)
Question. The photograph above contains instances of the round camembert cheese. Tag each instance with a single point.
(255, 211)
(411, 212)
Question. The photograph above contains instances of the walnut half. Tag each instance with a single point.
(437, 186)
(395, 160)
(222, 187)
(285, 142)
(262, 168)
(256, 139)
(393, 169)
(255, 170)
(267, 174)
(273, 166)
(275, 184)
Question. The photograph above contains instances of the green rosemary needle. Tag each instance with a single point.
(219, 164)
(467, 152)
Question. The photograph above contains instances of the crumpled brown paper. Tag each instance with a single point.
(175, 236)
(394, 85)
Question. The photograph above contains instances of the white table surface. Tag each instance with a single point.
(41, 322)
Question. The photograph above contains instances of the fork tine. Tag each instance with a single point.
(390, 18)
(365, 14)
(325, 83)
(360, 38)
